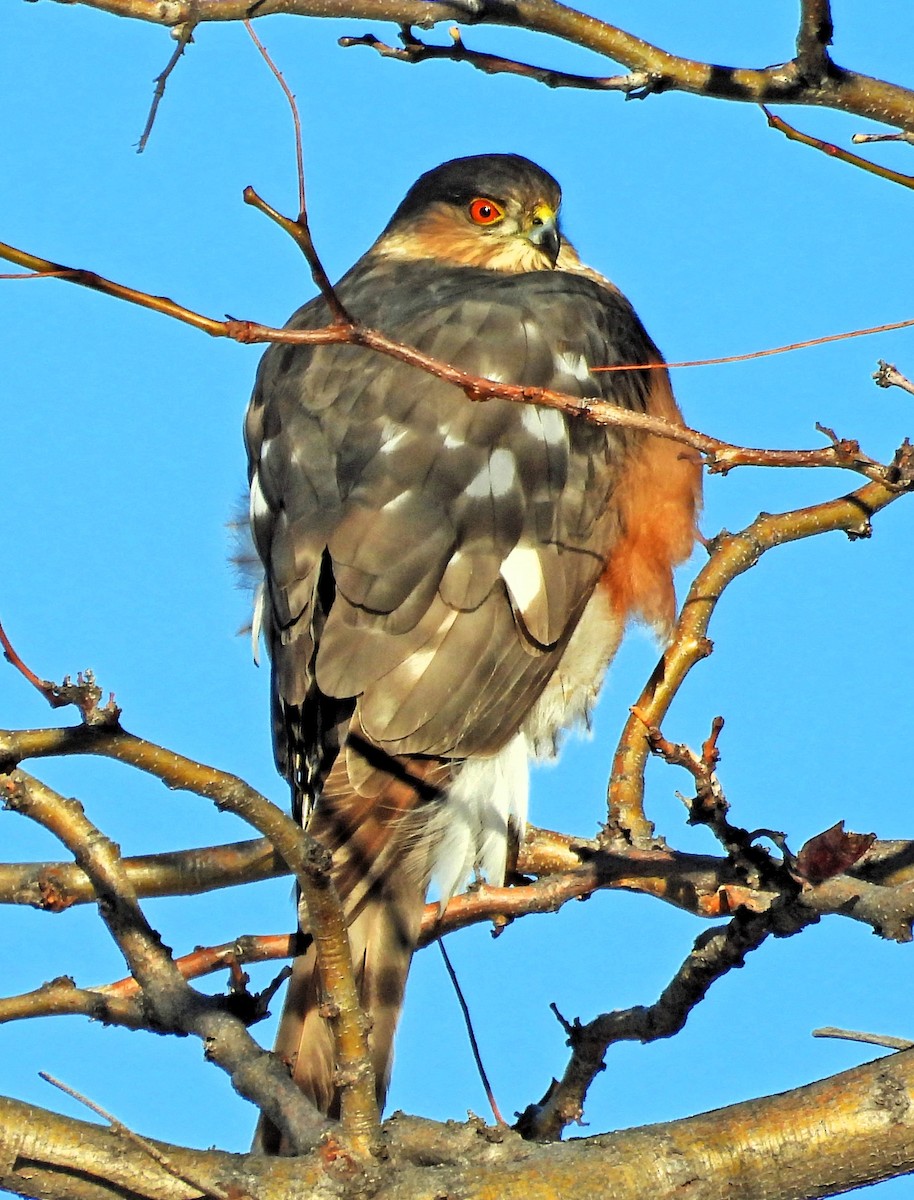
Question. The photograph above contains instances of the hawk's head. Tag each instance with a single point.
(491, 210)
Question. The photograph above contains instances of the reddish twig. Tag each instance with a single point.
(61, 274)
(719, 456)
(44, 686)
(833, 151)
(206, 960)
(299, 229)
(735, 358)
(84, 694)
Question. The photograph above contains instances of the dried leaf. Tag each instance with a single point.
(830, 853)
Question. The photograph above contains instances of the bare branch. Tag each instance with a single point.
(184, 35)
(55, 886)
(305, 857)
(875, 1039)
(714, 954)
(783, 83)
(471, 1034)
(887, 375)
(173, 1005)
(731, 555)
(833, 151)
(118, 1127)
(719, 455)
(635, 85)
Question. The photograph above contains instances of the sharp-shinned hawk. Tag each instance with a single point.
(446, 581)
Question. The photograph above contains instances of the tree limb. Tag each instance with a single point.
(860, 1122)
(731, 555)
(784, 83)
(718, 455)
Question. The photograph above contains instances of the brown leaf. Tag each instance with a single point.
(830, 853)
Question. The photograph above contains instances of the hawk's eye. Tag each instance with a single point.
(485, 212)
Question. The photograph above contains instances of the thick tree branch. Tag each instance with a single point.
(791, 82)
(860, 1123)
(172, 1006)
(306, 858)
(55, 886)
(731, 555)
(715, 953)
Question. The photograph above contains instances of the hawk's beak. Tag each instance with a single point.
(544, 233)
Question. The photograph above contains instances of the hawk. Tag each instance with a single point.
(446, 581)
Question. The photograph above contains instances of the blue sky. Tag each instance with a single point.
(123, 462)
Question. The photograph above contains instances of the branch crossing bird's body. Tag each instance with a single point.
(446, 581)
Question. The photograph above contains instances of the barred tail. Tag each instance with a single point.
(381, 849)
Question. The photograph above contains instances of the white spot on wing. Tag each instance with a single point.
(522, 572)
(545, 423)
(260, 510)
(397, 502)
(496, 478)
(391, 443)
(257, 622)
(503, 471)
(480, 485)
(572, 362)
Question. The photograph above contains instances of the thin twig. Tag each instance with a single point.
(118, 1127)
(474, 1045)
(854, 1035)
(296, 119)
(720, 456)
(833, 151)
(736, 358)
(61, 274)
(299, 229)
(206, 960)
(184, 34)
(300, 232)
(44, 686)
(635, 85)
(901, 135)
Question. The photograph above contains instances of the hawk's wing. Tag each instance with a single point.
(425, 554)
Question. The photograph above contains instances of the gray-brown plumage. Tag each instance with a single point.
(446, 581)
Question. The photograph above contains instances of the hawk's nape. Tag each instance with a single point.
(446, 581)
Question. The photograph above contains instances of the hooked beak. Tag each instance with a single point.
(544, 234)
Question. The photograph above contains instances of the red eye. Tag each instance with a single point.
(485, 212)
